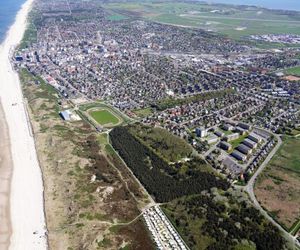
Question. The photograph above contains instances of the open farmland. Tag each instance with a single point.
(234, 21)
(278, 187)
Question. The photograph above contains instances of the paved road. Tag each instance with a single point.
(249, 188)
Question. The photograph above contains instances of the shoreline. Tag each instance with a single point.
(24, 205)
(6, 168)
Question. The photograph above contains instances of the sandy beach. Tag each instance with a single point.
(22, 212)
(5, 181)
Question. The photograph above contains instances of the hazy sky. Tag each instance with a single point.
(275, 4)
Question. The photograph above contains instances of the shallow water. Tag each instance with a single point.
(8, 11)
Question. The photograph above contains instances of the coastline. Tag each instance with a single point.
(5, 182)
(26, 200)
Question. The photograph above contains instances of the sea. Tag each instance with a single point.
(8, 12)
(270, 4)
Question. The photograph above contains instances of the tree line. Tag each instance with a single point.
(163, 181)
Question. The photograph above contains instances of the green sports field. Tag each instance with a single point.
(104, 117)
(293, 71)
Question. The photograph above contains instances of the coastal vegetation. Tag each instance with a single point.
(85, 187)
(103, 173)
(205, 211)
(222, 220)
(30, 34)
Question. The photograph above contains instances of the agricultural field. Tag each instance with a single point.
(236, 22)
(278, 187)
(116, 17)
(104, 117)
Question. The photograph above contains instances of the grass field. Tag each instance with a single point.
(238, 141)
(225, 131)
(143, 112)
(104, 117)
(85, 108)
(295, 132)
(278, 186)
(228, 20)
(116, 17)
(293, 71)
(166, 145)
(288, 156)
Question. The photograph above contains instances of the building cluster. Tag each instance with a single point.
(201, 86)
(263, 153)
(245, 149)
(234, 159)
(164, 234)
(278, 116)
(272, 61)
(278, 38)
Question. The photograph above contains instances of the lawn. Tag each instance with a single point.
(143, 112)
(104, 117)
(238, 141)
(293, 71)
(225, 131)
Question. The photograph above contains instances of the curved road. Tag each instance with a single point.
(249, 188)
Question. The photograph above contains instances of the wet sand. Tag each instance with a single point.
(6, 167)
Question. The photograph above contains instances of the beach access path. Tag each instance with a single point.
(27, 216)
